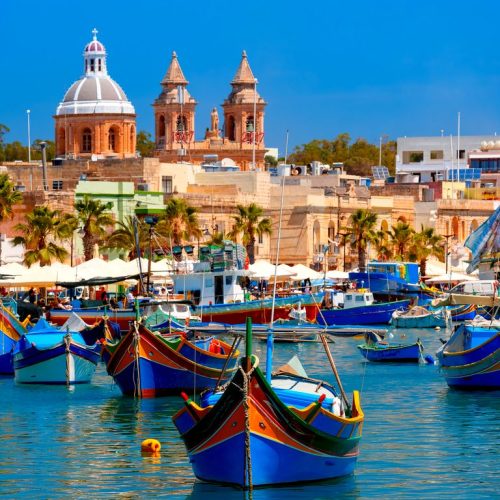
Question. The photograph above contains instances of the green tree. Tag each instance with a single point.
(124, 236)
(270, 160)
(95, 219)
(50, 150)
(401, 238)
(382, 246)
(8, 198)
(250, 222)
(179, 223)
(426, 243)
(144, 144)
(362, 229)
(40, 232)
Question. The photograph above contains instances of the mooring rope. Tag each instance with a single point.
(247, 478)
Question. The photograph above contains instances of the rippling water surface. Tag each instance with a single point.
(421, 439)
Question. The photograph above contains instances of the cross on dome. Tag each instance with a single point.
(94, 34)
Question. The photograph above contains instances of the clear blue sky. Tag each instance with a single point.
(401, 67)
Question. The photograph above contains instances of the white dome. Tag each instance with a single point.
(95, 94)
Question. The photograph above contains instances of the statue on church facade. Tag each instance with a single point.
(213, 133)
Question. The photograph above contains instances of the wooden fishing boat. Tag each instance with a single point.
(47, 355)
(471, 357)
(260, 310)
(252, 437)
(419, 317)
(374, 349)
(360, 309)
(122, 317)
(148, 364)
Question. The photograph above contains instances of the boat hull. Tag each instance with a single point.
(145, 365)
(55, 365)
(90, 316)
(375, 314)
(391, 353)
(266, 442)
(261, 311)
(471, 358)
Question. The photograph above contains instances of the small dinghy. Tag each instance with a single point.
(375, 349)
(419, 317)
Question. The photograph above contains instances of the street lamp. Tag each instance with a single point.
(343, 235)
(447, 237)
(151, 222)
(28, 112)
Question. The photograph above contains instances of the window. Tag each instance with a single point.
(100, 64)
(181, 123)
(437, 155)
(461, 154)
(92, 65)
(111, 139)
(166, 184)
(86, 141)
(261, 238)
(229, 280)
(57, 185)
(413, 156)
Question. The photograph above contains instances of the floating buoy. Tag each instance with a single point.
(429, 359)
(150, 446)
(437, 328)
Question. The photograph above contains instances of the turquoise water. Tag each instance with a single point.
(421, 439)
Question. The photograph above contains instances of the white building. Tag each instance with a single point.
(427, 159)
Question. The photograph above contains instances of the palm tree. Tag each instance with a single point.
(41, 230)
(179, 223)
(251, 222)
(93, 216)
(401, 238)
(217, 238)
(426, 243)
(362, 224)
(8, 198)
(382, 246)
(124, 236)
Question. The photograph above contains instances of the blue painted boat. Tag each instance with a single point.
(463, 312)
(374, 349)
(369, 313)
(11, 330)
(47, 355)
(252, 437)
(389, 279)
(148, 364)
(471, 357)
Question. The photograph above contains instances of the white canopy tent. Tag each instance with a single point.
(303, 272)
(452, 276)
(337, 275)
(263, 269)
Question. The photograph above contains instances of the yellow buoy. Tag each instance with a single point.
(150, 446)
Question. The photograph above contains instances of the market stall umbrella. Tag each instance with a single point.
(263, 269)
(42, 276)
(303, 272)
(337, 275)
(453, 276)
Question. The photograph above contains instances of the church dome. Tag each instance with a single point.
(96, 92)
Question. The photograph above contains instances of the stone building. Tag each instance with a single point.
(241, 137)
(95, 119)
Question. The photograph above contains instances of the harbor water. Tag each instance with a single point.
(420, 440)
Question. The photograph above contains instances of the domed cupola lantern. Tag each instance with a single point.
(95, 119)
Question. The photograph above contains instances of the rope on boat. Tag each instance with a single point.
(236, 343)
(247, 472)
(67, 342)
(136, 374)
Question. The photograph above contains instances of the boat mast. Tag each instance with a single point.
(270, 338)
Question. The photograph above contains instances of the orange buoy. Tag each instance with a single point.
(150, 446)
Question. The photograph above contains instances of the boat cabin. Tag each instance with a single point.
(216, 278)
(407, 271)
(357, 298)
